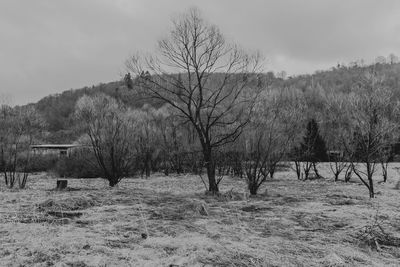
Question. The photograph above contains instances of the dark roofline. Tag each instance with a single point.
(56, 146)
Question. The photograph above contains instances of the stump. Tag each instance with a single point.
(62, 184)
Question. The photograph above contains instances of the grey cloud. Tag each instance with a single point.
(47, 46)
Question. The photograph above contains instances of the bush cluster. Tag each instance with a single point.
(79, 164)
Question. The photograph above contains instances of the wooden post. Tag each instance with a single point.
(62, 184)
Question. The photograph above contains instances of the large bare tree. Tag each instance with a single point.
(210, 82)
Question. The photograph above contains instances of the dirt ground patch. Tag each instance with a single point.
(169, 221)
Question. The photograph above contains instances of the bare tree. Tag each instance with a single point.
(6, 118)
(393, 59)
(18, 128)
(149, 137)
(32, 125)
(372, 111)
(175, 138)
(380, 60)
(337, 134)
(214, 89)
(386, 156)
(111, 129)
(270, 135)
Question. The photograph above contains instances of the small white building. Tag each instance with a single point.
(61, 150)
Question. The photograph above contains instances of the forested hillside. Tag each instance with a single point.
(58, 109)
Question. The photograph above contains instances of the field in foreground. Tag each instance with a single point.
(291, 223)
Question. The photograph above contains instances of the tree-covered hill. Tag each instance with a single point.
(58, 109)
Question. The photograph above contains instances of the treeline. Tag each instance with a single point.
(352, 131)
(58, 110)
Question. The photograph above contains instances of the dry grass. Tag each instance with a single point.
(169, 221)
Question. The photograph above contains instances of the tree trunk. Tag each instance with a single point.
(298, 169)
(347, 175)
(371, 186)
(166, 170)
(272, 172)
(336, 176)
(316, 170)
(62, 184)
(112, 182)
(212, 183)
(147, 164)
(384, 171)
(253, 189)
(306, 168)
(210, 166)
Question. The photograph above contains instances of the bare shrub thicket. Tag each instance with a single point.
(19, 127)
(148, 139)
(372, 111)
(112, 131)
(214, 91)
(338, 135)
(165, 142)
(270, 135)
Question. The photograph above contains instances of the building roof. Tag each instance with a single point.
(56, 146)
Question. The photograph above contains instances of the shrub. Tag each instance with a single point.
(80, 164)
(42, 163)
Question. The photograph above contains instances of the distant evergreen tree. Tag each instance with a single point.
(311, 151)
(313, 147)
(128, 80)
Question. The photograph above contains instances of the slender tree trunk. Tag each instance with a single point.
(371, 187)
(166, 167)
(370, 173)
(307, 167)
(316, 170)
(298, 169)
(148, 165)
(347, 175)
(212, 183)
(384, 170)
(272, 171)
(336, 174)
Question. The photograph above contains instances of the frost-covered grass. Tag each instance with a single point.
(291, 223)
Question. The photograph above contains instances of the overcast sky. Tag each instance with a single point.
(48, 46)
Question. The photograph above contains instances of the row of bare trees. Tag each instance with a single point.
(270, 134)
(19, 128)
(364, 126)
(129, 141)
(358, 128)
(219, 92)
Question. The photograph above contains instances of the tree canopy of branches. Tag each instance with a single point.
(372, 112)
(149, 137)
(270, 134)
(19, 126)
(111, 128)
(337, 127)
(214, 89)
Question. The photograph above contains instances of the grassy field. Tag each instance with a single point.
(291, 223)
